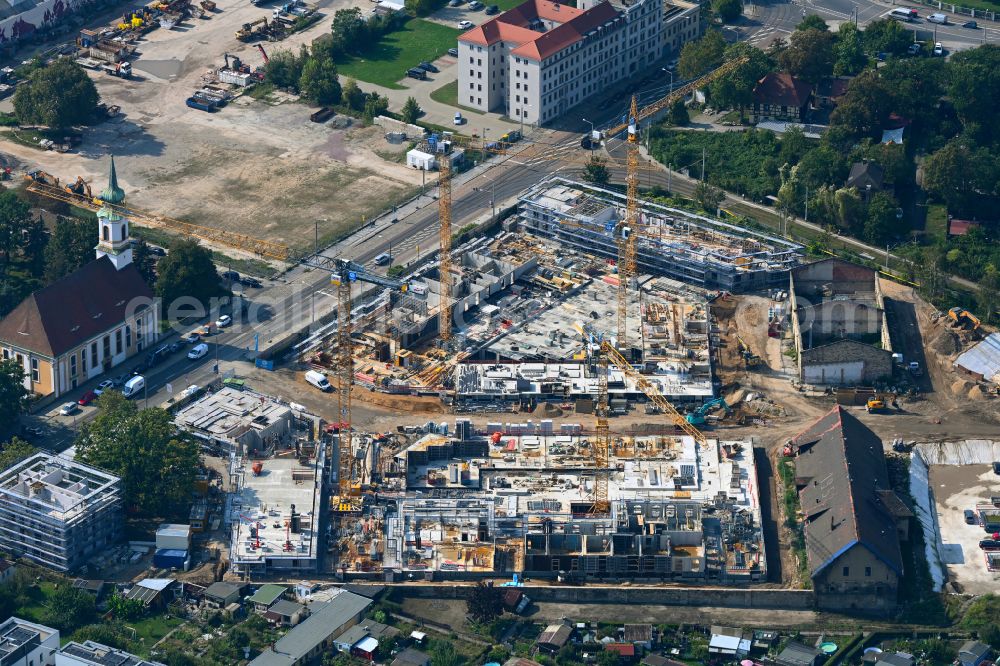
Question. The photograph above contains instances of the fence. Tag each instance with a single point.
(958, 9)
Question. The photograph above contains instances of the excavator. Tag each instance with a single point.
(39, 176)
(80, 188)
(250, 30)
(697, 417)
(963, 318)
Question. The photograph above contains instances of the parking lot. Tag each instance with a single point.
(957, 488)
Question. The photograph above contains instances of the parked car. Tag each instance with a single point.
(996, 468)
(453, 52)
(106, 385)
(417, 73)
(970, 517)
(232, 276)
(938, 49)
(157, 250)
(465, 25)
(428, 67)
(493, 9)
(458, 118)
(134, 386)
(175, 347)
(914, 48)
(454, 3)
(989, 544)
(223, 321)
(972, 25)
(198, 351)
(191, 338)
(69, 408)
(475, 5)
(251, 282)
(87, 398)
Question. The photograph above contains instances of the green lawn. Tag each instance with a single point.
(386, 61)
(151, 629)
(448, 94)
(936, 227)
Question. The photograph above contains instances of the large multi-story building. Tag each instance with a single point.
(24, 643)
(91, 320)
(58, 512)
(541, 58)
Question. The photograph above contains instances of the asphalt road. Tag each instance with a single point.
(765, 21)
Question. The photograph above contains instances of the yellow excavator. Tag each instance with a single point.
(248, 31)
(875, 404)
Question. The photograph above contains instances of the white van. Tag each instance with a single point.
(319, 380)
(941, 19)
(134, 386)
(198, 351)
(901, 14)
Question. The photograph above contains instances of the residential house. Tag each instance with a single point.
(346, 641)
(957, 227)
(895, 659)
(974, 653)
(411, 657)
(781, 96)
(264, 597)
(286, 613)
(94, 587)
(799, 654)
(24, 643)
(314, 635)
(829, 92)
(866, 178)
(554, 638)
(91, 653)
(7, 569)
(763, 640)
(88, 322)
(640, 635)
(221, 594)
(625, 651)
(853, 521)
(365, 648)
(729, 642)
(153, 592)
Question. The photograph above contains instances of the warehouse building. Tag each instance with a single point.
(839, 324)
(58, 512)
(541, 58)
(694, 249)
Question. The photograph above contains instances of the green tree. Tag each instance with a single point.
(961, 175)
(708, 196)
(157, 464)
(13, 395)
(677, 114)
(880, 219)
(125, 609)
(735, 89)
(110, 634)
(15, 216)
(886, 36)
(284, 70)
(809, 55)
(596, 171)
(352, 96)
(70, 247)
(16, 449)
(822, 165)
(702, 54)
(319, 81)
(974, 90)
(849, 51)
(411, 111)
(865, 107)
(60, 95)
(142, 258)
(188, 271)
(69, 608)
(484, 603)
(34, 239)
(348, 29)
(375, 106)
(988, 298)
(813, 22)
(608, 657)
(443, 654)
(794, 145)
(727, 10)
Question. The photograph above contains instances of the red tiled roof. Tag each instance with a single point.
(781, 89)
(80, 306)
(623, 649)
(513, 26)
(960, 227)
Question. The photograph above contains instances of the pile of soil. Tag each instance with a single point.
(961, 387)
(547, 409)
(946, 342)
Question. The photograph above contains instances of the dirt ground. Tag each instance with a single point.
(257, 167)
(957, 488)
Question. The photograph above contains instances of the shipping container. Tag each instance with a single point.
(166, 558)
(173, 537)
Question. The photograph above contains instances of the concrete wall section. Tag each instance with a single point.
(845, 362)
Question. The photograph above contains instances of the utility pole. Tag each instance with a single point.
(807, 203)
(670, 170)
(316, 247)
(703, 165)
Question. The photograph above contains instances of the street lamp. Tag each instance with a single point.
(671, 78)
(493, 188)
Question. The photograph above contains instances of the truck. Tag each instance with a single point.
(122, 70)
(201, 105)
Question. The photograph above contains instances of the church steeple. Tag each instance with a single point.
(113, 239)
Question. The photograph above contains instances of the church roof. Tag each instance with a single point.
(113, 193)
(89, 301)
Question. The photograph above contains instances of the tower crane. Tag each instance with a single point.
(444, 212)
(626, 242)
(345, 274)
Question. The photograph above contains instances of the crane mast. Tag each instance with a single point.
(444, 212)
(627, 236)
(602, 439)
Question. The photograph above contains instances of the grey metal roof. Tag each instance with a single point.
(222, 590)
(983, 359)
(797, 654)
(842, 464)
(352, 635)
(285, 608)
(326, 620)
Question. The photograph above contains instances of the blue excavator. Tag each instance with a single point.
(697, 417)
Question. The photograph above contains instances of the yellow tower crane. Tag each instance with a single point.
(626, 239)
(444, 212)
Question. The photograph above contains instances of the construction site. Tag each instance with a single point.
(519, 498)
(276, 471)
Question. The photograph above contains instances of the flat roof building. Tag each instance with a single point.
(24, 643)
(92, 653)
(58, 512)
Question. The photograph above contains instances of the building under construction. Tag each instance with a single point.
(276, 471)
(678, 244)
(517, 498)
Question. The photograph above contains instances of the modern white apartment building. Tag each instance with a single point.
(58, 512)
(540, 59)
(24, 643)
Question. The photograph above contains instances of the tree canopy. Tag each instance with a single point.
(188, 271)
(809, 54)
(318, 80)
(59, 95)
(157, 464)
(411, 111)
(484, 603)
(15, 451)
(13, 395)
(727, 10)
(70, 247)
(701, 55)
